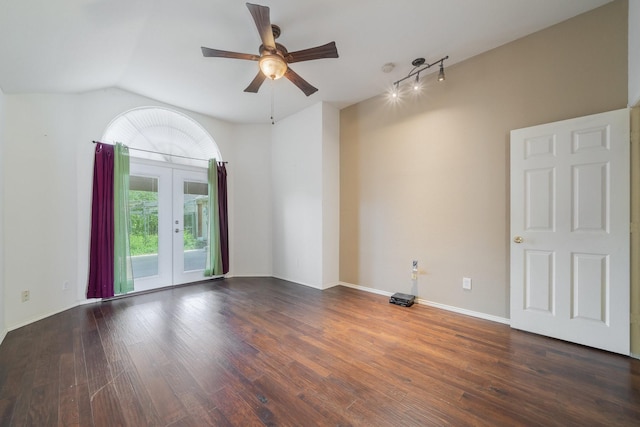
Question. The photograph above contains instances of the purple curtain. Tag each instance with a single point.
(224, 217)
(102, 231)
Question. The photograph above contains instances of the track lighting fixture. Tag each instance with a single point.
(419, 65)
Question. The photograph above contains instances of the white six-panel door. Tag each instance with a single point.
(570, 230)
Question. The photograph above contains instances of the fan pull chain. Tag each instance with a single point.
(273, 122)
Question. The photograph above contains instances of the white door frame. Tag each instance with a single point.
(170, 251)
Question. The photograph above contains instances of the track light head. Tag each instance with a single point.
(394, 91)
(441, 73)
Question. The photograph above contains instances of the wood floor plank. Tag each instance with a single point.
(168, 408)
(211, 418)
(236, 410)
(97, 368)
(133, 409)
(20, 413)
(79, 362)
(106, 408)
(263, 352)
(44, 404)
(85, 414)
(68, 413)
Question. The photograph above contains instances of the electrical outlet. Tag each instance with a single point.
(466, 283)
(25, 296)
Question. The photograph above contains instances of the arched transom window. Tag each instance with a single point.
(164, 135)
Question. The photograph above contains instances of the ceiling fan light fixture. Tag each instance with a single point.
(273, 66)
(274, 58)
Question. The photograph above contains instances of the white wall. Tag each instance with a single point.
(3, 329)
(304, 161)
(47, 198)
(252, 198)
(634, 53)
(330, 195)
(40, 204)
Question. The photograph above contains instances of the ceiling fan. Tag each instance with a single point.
(274, 59)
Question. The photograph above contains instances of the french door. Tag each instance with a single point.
(169, 225)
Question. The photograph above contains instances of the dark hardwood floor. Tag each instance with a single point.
(261, 351)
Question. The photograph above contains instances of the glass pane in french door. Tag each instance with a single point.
(195, 224)
(150, 233)
(143, 237)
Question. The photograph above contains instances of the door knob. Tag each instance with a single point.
(518, 239)
(177, 230)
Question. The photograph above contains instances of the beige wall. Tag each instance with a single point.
(634, 53)
(428, 179)
(3, 329)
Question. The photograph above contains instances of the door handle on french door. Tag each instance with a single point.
(177, 230)
(518, 239)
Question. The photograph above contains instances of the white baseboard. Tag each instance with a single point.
(3, 334)
(464, 311)
(297, 282)
(321, 287)
(364, 288)
(248, 275)
(421, 301)
(331, 285)
(44, 316)
(76, 304)
(349, 285)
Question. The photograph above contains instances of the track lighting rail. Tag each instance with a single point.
(418, 67)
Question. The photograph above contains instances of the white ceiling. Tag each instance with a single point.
(152, 47)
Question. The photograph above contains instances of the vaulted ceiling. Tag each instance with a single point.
(152, 47)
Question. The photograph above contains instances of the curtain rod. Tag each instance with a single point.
(157, 152)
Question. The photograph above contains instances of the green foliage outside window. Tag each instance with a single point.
(143, 214)
(143, 235)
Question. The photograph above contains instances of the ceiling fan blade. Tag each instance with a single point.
(263, 24)
(256, 83)
(328, 50)
(216, 53)
(302, 84)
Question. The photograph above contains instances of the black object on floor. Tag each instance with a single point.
(404, 300)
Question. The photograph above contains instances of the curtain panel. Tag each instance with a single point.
(223, 217)
(218, 249)
(123, 273)
(101, 250)
(110, 270)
